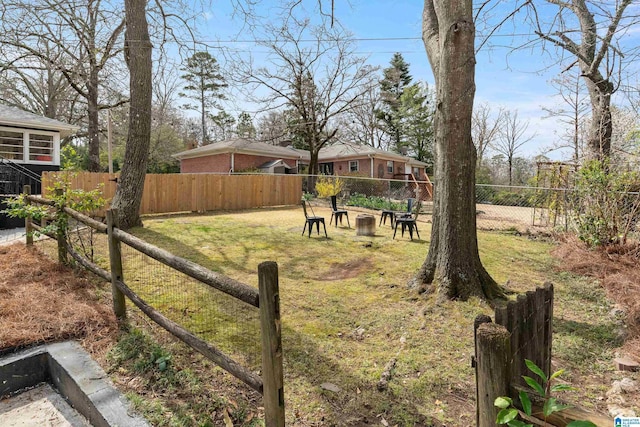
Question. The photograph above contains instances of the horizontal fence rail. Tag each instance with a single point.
(270, 384)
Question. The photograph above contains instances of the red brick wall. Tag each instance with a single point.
(217, 163)
(341, 167)
(221, 163)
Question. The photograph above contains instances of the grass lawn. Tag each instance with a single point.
(347, 314)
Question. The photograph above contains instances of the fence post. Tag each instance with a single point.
(272, 372)
(479, 320)
(115, 261)
(61, 230)
(492, 370)
(27, 221)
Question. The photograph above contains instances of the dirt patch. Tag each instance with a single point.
(42, 302)
(346, 270)
(617, 269)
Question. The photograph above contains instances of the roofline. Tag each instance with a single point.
(65, 129)
(223, 150)
(376, 155)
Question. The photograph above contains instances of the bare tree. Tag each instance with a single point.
(317, 82)
(362, 123)
(273, 128)
(590, 32)
(86, 36)
(511, 137)
(34, 85)
(573, 114)
(485, 127)
(453, 265)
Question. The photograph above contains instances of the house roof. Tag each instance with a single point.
(11, 116)
(347, 150)
(243, 146)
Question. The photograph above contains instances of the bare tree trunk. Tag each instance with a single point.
(453, 265)
(601, 126)
(138, 55)
(93, 122)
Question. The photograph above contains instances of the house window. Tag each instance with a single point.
(11, 144)
(416, 172)
(40, 147)
(389, 166)
(353, 166)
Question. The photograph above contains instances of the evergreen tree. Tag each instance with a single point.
(203, 85)
(395, 79)
(245, 127)
(416, 114)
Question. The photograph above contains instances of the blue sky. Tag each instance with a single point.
(514, 80)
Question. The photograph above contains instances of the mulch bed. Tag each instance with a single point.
(42, 302)
(617, 268)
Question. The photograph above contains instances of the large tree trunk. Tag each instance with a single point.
(453, 265)
(138, 54)
(93, 121)
(601, 126)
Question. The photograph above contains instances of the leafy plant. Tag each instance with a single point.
(605, 207)
(509, 413)
(373, 202)
(62, 195)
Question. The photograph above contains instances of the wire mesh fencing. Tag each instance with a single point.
(209, 314)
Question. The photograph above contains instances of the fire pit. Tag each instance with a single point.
(365, 225)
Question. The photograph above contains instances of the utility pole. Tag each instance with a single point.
(109, 141)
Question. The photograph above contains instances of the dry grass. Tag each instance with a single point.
(42, 302)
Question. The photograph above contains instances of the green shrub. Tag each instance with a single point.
(363, 185)
(373, 202)
(606, 203)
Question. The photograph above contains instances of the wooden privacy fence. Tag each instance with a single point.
(266, 299)
(523, 329)
(167, 193)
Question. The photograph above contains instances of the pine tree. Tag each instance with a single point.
(245, 127)
(416, 112)
(204, 82)
(395, 79)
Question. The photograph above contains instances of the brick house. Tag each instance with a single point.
(346, 158)
(238, 155)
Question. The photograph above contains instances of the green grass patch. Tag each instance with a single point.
(347, 312)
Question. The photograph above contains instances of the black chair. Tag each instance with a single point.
(407, 213)
(387, 214)
(408, 222)
(311, 220)
(337, 213)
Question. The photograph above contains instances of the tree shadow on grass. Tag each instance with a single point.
(356, 402)
(602, 335)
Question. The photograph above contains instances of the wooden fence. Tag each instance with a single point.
(167, 193)
(266, 298)
(522, 330)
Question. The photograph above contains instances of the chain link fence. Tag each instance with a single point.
(498, 207)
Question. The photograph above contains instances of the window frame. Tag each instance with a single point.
(26, 145)
(357, 166)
